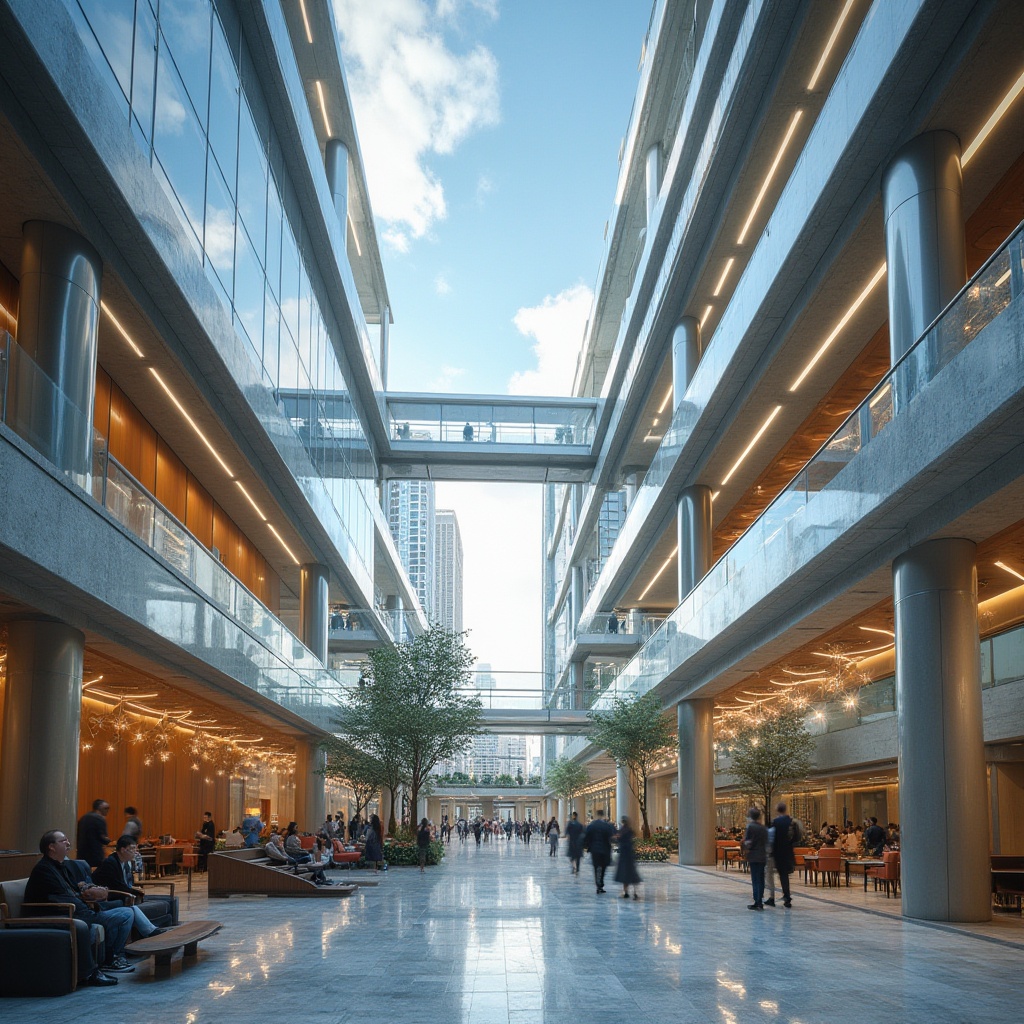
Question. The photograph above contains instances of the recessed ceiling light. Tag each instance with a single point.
(753, 441)
(823, 60)
(766, 184)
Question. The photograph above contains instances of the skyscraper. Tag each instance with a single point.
(411, 518)
(448, 571)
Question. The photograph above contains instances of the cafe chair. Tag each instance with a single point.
(888, 874)
(830, 860)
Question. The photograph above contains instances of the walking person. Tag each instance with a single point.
(423, 844)
(574, 837)
(597, 839)
(625, 869)
(769, 870)
(755, 842)
(782, 851)
(552, 833)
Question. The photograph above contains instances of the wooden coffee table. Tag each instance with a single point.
(183, 936)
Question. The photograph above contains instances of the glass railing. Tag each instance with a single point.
(464, 421)
(793, 523)
(279, 665)
(611, 623)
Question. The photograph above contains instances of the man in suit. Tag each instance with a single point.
(782, 851)
(53, 881)
(115, 873)
(598, 840)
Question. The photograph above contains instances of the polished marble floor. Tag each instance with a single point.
(503, 934)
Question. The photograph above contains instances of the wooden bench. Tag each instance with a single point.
(185, 937)
(250, 873)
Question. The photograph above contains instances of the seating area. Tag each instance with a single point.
(252, 873)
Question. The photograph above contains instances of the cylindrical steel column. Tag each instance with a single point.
(42, 713)
(58, 328)
(313, 610)
(652, 178)
(336, 161)
(924, 234)
(578, 699)
(693, 526)
(696, 802)
(943, 798)
(632, 479)
(576, 590)
(686, 353)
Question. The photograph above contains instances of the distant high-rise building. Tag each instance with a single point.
(448, 571)
(412, 520)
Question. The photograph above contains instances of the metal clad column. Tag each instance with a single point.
(693, 510)
(696, 781)
(652, 181)
(336, 161)
(58, 328)
(944, 804)
(42, 715)
(924, 234)
(313, 612)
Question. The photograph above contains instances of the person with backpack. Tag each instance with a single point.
(788, 834)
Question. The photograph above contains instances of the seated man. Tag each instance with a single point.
(276, 852)
(115, 873)
(52, 881)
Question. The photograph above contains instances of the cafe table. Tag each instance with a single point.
(811, 864)
(862, 864)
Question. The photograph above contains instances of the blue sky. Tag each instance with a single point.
(490, 134)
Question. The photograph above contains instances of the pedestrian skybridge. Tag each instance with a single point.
(490, 437)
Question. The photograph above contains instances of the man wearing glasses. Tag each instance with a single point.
(51, 881)
(115, 874)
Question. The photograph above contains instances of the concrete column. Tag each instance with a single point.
(336, 160)
(944, 803)
(924, 234)
(653, 178)
(576, 589)
(39, 753)
(563, 811)
(693, 526)
(421, 809)
(313, 611)
(58, 328)
(385, 808)
(625, 800)
(310, 804)
(578, 699)
(696, 804)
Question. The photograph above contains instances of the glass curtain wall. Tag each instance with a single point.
(187, 83)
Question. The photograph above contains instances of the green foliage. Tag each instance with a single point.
(566, 778)
(770, 753)
(363, 773)
(411, 712)
(650, 852)
(635, 733)
(667, 839)
(403, 852)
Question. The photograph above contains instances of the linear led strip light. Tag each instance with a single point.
(994, 118)
(766, 184)
(305, 21)
(753, 441)
(223, 465)
(827, 52)
(124, 334)
(323, 107)
(657, 575)
(838, 329)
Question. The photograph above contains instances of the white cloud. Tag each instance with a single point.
(484, 187)
(413, 98)
(556, 326)
(441, 285)
(445, 380)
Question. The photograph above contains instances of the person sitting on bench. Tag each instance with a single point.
(276, 853)
(52, 882)
(116, 874)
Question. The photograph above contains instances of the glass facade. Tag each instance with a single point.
(184, 76)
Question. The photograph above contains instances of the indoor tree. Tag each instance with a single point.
(361, 772)
(771, 751)
(566, 779)
(635, 732)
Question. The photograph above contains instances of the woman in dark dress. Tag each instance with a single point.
(625, 867)
(374, 850)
